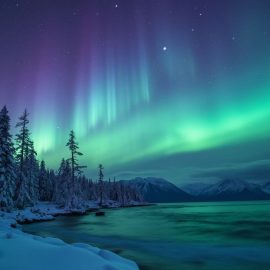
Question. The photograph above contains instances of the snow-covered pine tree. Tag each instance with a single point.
(100, 183)
(71, 199)
(95, 193)
(43, 181)
(61, 185)
(22, 195)
(110, 189)
(74, 150)
(7, 163)
(123, 199)
(31, 172)
(83, 187)
(74, 200)
(115, 193)
(50, 184)
(91, 190)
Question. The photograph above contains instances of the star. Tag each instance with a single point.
(192, 29)
(164, 48)
(116, 5)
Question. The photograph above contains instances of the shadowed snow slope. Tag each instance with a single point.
(19, 251)
(266, 188)
(158, 190)
(231, 189)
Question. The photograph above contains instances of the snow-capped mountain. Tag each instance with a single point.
(266, 188)
(231, 189)
(158, 190)
(161, 190)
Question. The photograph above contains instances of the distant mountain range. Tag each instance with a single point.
(158, 190)
(161, 190)
(266, 188)
(229, 190)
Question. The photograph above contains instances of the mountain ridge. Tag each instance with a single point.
(158, 190)
(155, 189)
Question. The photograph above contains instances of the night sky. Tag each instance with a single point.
(172, 88)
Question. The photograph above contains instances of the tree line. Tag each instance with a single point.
(24, 180)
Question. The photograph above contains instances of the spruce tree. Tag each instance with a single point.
(22, 150)
(50, 184)
(42, 178)
(65, 189)
(74, 150)
(115, 190)
(7, 163)
(32, 171)
(100, 183)
(22, 139)
(60, 191)
(74, 199)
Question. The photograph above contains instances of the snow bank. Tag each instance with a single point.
(44, 211)
(21, 251)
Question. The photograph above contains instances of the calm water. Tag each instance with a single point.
(234, 235)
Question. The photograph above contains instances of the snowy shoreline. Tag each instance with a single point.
(46, 252)
(46, 211)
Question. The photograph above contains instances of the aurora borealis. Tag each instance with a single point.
(166, 88)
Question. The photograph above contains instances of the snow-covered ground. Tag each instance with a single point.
(19, 251)
(47, 211)
(40, 212)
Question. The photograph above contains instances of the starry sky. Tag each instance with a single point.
(172, 88)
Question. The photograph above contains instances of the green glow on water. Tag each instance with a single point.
(215, 235)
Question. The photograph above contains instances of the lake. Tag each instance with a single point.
(178, 236)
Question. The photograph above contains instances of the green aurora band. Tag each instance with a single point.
(141, 82)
